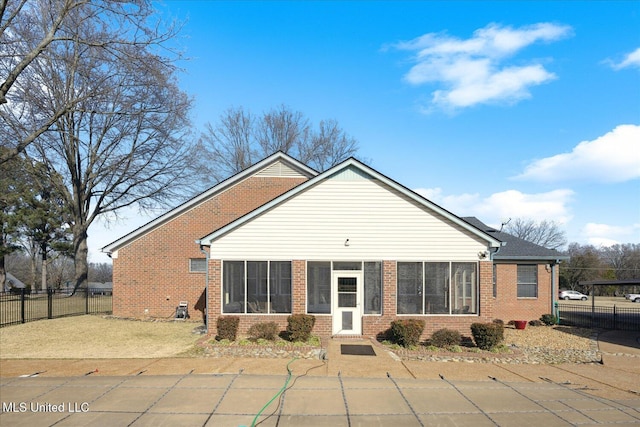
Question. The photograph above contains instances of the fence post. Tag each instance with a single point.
(23, 291)
(615, 317)
(86, 301)
(49, 303)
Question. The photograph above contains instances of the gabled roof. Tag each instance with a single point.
(516, 248)
(213, 191)
(361, 167)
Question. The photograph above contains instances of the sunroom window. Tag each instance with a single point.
(256, 287)
(437, 288)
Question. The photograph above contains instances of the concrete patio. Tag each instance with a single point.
(344, 390)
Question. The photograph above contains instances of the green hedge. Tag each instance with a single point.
(299, 327)
(406, 332)
(228, 327)
(487, 335)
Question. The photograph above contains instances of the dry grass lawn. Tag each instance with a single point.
(96, 337)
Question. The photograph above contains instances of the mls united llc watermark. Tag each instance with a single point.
(69, 407)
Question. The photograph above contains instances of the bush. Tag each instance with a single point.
(536, 323)
(487, 335)
(228, 327)
(264, 330)
(407, 332)
(549, 319)
(498, 321)
(299, 327)
(446, 338)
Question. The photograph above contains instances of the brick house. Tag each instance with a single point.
(350, 246)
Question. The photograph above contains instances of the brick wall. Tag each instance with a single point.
(506, 307)
(507, 304)
(151, 274)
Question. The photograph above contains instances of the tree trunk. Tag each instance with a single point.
(43, 284)
(81, 252)
(3, 274)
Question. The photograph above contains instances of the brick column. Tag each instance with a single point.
(215, 294)
(389, 288)
(299, 286)
(486, 290)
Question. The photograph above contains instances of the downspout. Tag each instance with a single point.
(206, 287)
(554, 291)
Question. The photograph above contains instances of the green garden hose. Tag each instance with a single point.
(284, 387)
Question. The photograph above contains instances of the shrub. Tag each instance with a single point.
(498, 321)
(299, 327)
(228, 327)
(536, 323)
(407, 332)
(263, 330)
(446, 338)
(487, 335)
(549, 319)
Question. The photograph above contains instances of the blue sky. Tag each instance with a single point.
(490, 109)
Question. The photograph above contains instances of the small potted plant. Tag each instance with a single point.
(520, 324)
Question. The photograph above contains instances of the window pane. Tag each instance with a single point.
(527, 274)
(319, 287)
(527, 281)
(197, 265)
(347, 300)
(233, 287)
(257, 287)
(347, 284)
(464, 288)
(372, 287)
(280, 286)
(347, 265)
(409, 288)
(436, 287)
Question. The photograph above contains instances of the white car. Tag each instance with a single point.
(633, 297)
(573, 295)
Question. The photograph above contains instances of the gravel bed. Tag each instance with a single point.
(533, 345)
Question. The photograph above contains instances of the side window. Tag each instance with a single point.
(197, 265)
(527, 281)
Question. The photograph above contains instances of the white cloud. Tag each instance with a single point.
(608, 235)
(552, 205)
(475, 70)
(613, 157)
(630, 60)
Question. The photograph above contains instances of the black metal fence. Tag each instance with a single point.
(605, 317)
(22, 306)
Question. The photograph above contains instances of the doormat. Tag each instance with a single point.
(357, 350)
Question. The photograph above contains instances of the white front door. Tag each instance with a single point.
(347, 303)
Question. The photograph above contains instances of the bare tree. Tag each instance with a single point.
(584, 264)
(229, 144)
(544, 233)
(329, 146)
(282, 130)
(240, 139)
(623, 259)
(31, 29)
(125, 141)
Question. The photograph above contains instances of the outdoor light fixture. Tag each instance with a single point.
(346, 242)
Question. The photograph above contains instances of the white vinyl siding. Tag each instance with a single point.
(380, 223)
